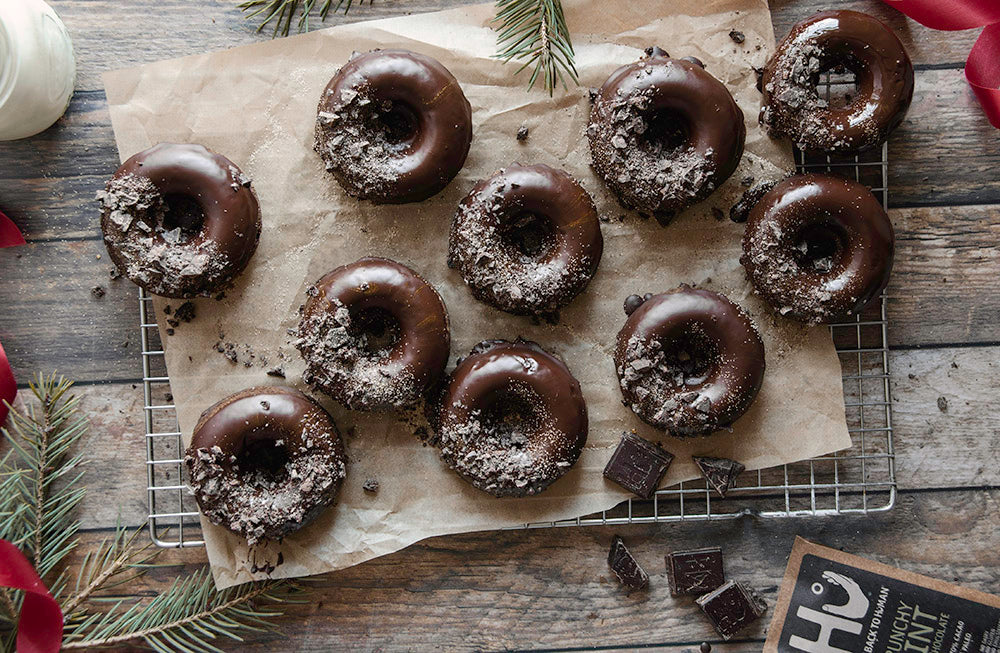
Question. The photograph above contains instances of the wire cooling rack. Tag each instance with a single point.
(860, 479)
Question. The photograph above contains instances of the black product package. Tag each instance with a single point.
(834, 602)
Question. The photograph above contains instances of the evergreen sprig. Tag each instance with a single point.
(531, 31)
(281, 12)
(40, 488)
(535, 32)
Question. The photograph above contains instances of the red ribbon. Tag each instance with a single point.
(40, 627)
(982, 69)
(9, 237)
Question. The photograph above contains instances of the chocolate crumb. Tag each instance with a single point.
(114, 273)
(737, 36)
(185, 312)
(954, 365)
(705, 647)
(276, 371)
(718, 214)
(655, 51)
(592, 94)
(942, 404)
(170, 332)
(168, 310)
(632, 302)
(168, 397)
(747, 181)
(370, 485)
(97, 291)
(522, 133)
(173, 322)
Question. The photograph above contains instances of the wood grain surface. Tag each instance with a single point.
(545, 589)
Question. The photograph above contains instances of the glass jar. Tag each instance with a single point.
(37, 68)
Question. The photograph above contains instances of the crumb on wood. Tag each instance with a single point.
(98, 291)
(942, 404)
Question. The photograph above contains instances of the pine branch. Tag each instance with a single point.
(188, 616)
(46, 482)
(281, 12)
(535, 32)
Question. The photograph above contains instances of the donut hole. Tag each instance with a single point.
(264, 455)
(399, 122)
(376, 329)
(666, 131)
(837, 83)
(689, 359)
(818, 246)
(528, 235)
(510, 418)
(183, 218)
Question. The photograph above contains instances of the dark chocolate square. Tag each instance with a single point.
(638, 465)
(732, 607)
(719, 472)
(628, 571)
(695, 572)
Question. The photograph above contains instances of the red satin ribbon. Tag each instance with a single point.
(9, 237)
(40, 627)
(982, 69)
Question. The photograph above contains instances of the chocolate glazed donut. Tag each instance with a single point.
(393, 126)
(830, 39)
(180, 220)
(689, 361)
(664, 134)
(818, 248)
(512, 418)
(374, 335)
(527, 240)
(264, 462)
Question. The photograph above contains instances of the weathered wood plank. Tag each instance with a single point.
(51, 319)
(552, 589)
(944, 287)
(109, 35)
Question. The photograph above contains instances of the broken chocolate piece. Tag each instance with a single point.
(737, 36)
(628, 571)
(522, 133)
(732, 607)
(719, 472)
(638, 465)
(695, 572)
(370, 485)
(185, 312)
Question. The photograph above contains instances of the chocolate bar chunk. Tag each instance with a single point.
(625, 567)
(695, 572)
(732, 607)
(638, 465)
(719, 472)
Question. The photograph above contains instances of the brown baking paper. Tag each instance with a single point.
(257, 105)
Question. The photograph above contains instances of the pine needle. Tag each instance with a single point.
(535, 32)
(190, 616)
(281, 12)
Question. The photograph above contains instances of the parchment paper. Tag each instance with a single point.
(257, 105)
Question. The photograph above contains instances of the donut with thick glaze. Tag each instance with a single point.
(393, 126)
(526, 240)
(664, 134)
(689, 361)
(374, 335)
(265, 462)
(818, 248)
(828, 40)
(180, 220)
(512, 418)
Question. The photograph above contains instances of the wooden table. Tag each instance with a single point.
(546, 589)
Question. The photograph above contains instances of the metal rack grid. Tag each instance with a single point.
(858, 480)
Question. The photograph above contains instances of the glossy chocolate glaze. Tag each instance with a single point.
(159, 259)
(711, 398)
(849, 224)
(493, 267)
(265, 504)
(863, 45)
(340, 364)
(434, 141)
(664, 181)
(536, 454)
